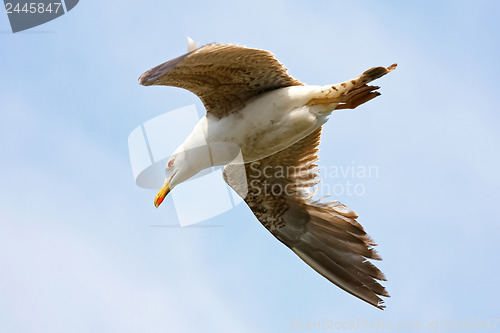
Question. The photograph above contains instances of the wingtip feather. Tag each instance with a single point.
(191, 44)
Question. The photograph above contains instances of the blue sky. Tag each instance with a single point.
(77, 248)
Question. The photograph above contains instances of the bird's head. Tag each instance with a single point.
(174, 170)
(180, 166)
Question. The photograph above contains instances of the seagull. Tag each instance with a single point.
(275, 123)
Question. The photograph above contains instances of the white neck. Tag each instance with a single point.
(205, 147)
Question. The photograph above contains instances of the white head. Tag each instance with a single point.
(182, 165)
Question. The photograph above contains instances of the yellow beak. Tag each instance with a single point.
(162, 193)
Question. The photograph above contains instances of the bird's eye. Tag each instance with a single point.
(170, 163)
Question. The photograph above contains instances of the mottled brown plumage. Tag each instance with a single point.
(325, 235)
(223, 76)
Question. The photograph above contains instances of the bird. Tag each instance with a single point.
(273, 122)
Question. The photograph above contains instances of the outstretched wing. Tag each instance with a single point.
(224, 76)
(325, 235)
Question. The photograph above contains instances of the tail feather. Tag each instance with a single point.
(358, 96)
(376, 72)
(358, 92)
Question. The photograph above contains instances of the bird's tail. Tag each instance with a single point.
(358, 92)
(352, 93)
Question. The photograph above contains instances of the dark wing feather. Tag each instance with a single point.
(325, 235)
(224, 76)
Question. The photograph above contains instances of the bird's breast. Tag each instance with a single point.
(267, 124)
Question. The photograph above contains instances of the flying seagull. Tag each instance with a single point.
(275, 121)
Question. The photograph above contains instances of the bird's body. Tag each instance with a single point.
(267, 124)
(273, 121)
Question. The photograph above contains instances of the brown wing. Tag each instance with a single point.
(224, 76)
(325, 235)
